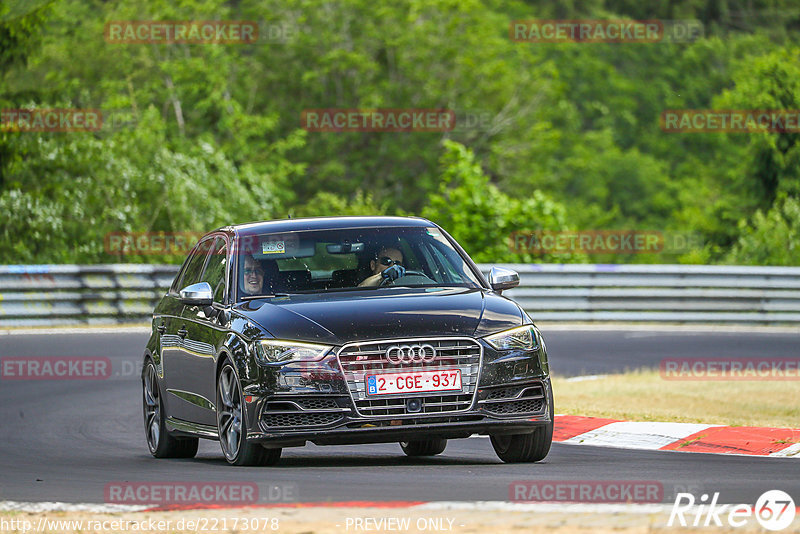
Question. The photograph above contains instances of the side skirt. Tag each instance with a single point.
(194, 430)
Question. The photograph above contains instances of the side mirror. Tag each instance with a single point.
(501, 278)
(197, 294)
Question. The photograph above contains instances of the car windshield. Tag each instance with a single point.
(345, 259)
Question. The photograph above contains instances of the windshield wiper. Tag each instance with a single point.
(339, 289)
(332, 290)
(415, 286)
(271, 295)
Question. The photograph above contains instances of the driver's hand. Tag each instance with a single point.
(394, 272)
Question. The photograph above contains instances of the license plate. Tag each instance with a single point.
(413, 382)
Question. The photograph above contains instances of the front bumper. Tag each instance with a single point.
(324, 402)
(516, 408)
(389, 433)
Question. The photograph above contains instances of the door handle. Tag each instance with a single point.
(183, 332)
(161, 328)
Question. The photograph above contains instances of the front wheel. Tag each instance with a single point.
(522, 447)
(424, 447)
(159, 441)
(531, 447)
(232, 425)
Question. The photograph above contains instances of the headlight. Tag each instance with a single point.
(522, 337)
(271, 351)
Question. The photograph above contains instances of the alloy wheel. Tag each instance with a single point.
(229, 417)
(152, 409)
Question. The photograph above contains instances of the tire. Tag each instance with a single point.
(159, 440)
(532, 447)
(425, 447)
(232, 427)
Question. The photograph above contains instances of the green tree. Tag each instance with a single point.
(772, 238)
(325, 204)
(70, 192)
(482, 218)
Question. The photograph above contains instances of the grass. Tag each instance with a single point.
(645, 396)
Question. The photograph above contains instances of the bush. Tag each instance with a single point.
(772, 238)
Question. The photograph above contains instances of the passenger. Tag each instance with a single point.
(254, 277)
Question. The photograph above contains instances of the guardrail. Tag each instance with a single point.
(32, 295)
(108, 294)
(659, 293)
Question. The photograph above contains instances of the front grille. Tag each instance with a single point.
(317, 403)
(300, 419)
(528, 406)
(416, 421)
(513, 400)
(514, 392)
(358, 360)
(430, 404)
(290, 412)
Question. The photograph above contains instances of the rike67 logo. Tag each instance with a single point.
(774, 510)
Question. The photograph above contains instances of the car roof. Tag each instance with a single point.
(325, 223)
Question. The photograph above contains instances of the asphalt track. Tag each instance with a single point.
(65, 440)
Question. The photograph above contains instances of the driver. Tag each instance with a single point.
(387, 265)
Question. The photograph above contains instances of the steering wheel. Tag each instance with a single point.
(386, 281)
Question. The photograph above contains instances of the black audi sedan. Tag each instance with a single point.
(342, 330)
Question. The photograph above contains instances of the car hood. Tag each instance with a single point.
(341, 317)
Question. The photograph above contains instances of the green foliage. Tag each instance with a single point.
(325, 204)
(769, 82)
(71, 191)
(481, 217)
(569, 137)
(20, 28)
(773, 238)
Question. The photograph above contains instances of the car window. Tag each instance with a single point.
(214, 272)
(445, 269)
(194, 267)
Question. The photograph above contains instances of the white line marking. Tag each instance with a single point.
(635, 435)
(792, 451)
(49, 330)
(583, 378)
(37, 507)
(488, 506)
(586, 508)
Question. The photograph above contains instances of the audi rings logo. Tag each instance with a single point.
(398, 354)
